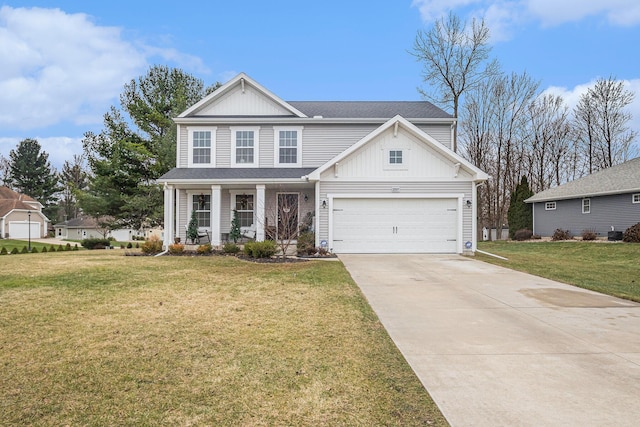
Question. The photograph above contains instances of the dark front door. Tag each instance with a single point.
(287, 215)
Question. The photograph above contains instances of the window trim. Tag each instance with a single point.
(635, 198)
(232, 205)
(256, 146)
(190, 131)
(550, 206)
(190, 195)
(276, 146)
(586, 207)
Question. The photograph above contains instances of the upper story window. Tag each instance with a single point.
(395, 157)
(288, 146)
(586, 206)
(550, 206)
(201, 146)
(244, 147)
(635, 198)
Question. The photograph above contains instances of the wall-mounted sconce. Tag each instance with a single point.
(468, 203)
(324, 204)
(306, 198)
(201, 201)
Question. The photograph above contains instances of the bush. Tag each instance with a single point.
(24, 250)
(3, 251)
(536, 237)
(53, 248)
(204, 249)
(523, 234)
(632, 234)
(75, 248)
(44, 250)
(95, 243)
(588, 235)
(230, 248)
(67, 247)
(561, 234)
(306, 244)
(14, 251)
(34, 250)
(265, 249)
(176, 249)
(152, 246)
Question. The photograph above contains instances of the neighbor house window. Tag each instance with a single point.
(244, 149)
(635, 198)
(201, 146)
(586, 206)
(244, 207)
(550, 206)
(395, 157)
(288, 146)
(201, 204)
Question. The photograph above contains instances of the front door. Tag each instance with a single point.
(287, 216)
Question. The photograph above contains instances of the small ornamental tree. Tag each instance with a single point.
(192, 230)
(520, 214)
(234, 233)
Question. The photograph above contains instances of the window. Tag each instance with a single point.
(288, 146)
(635, 198)
(244, 148)
(201, 204)
(586, 206)
(395, 157)
(244, 207)
(201, 146)
(550, 206)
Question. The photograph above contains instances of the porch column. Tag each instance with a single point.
(260, 215)
(168, 215)
(216, 207)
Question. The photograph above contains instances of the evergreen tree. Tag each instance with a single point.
(31, 173)
(234, 233)
(192, 229)
(520, 214)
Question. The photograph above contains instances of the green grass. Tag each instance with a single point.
(609, 268)
(96, 338)
(9, 244)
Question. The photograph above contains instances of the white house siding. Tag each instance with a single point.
(223, 147)
(249, 102)
(181, 216)
(442, 133)
(321, 143)
(266, 146)
(362, 187)
(183, 149)
(615, 211)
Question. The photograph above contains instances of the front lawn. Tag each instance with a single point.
(97, 338)
(9, 244)
(610, 268)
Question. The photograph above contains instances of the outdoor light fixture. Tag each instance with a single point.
(201, 201)
(468, 203)
(29, 216)
(306, 198)
(324, 204)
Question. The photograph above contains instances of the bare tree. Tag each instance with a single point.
(5, 168)
(74, 178)
(455, 59)
(601, 124)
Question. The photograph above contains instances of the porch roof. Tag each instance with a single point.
(235, 174)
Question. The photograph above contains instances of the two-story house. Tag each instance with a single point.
(374, 177)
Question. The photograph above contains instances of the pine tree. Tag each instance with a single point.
(520, 214)
(192, 230)
(235, 233)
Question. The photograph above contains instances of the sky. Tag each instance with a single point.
(64, 63)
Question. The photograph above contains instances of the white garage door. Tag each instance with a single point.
(20, 230)
(395, 225)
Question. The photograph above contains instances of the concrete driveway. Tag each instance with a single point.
(498, 347)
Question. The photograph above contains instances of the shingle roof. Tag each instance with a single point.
(81, 222)
(370, 109)
(622, 178)
(10, 200)
(235, 173)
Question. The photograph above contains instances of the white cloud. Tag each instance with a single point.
(555, 12)
(59, 149)
(432, 10)
(59, 67)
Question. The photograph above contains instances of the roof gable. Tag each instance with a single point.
(241, 96)
(622, 178)
(443, 160)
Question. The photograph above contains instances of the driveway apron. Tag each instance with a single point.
(496, 347)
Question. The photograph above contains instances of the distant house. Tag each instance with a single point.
(608, 200)
(18, 214)
(86, 227)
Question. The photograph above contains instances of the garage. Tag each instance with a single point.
(395, 225)
(20, 230)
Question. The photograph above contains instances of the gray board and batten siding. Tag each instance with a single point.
(615, 211)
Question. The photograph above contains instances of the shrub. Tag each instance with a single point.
(152, 246)
(129, 245)
(306, 244)
(230, 248)
(265, 249)
(137, 245)
(44, 249)
(561, 234)
(34, 250)
(95, 243)
(176, 249)
(536, 237)
(589, 235)
(3, 251)
(323, 251)
(522, 234)
(204, 249)
(61, 248)
(24, 250)
(14, 251)
(75, 248)
(67, 247)
(53, 248)
(632, 234)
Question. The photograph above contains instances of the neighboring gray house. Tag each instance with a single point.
(608, 200)
(373, 176)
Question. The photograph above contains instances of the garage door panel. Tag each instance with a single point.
(395, 225)
(20, 230)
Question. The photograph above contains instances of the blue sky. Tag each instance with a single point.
(65, 62)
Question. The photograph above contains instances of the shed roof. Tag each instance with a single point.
(622, 178)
